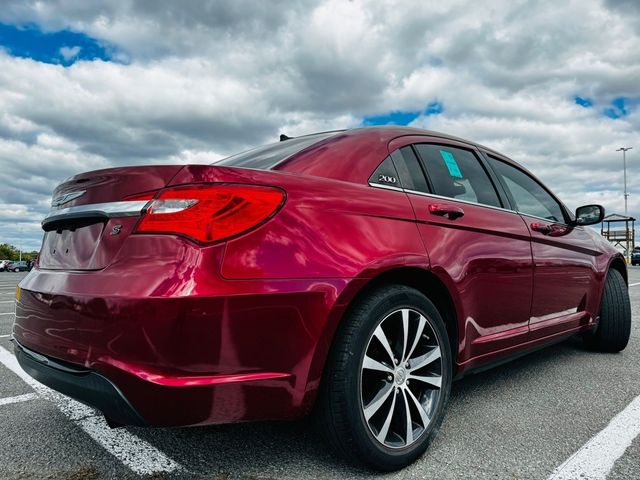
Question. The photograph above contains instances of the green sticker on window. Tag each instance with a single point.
(450, 162)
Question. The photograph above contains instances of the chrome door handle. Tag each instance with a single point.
(448, 211)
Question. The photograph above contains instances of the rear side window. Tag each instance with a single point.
(530, 197)
(457, 173)
(268, 156)
(409, 169)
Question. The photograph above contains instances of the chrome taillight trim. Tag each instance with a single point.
(107, 210)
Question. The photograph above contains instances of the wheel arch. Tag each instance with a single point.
(421, 279)
(619, 264)
(428, 284)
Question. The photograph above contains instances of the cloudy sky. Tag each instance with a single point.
(87, 85)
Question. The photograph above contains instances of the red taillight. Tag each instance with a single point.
(209, 213)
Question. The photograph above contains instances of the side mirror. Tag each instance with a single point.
(589, 214)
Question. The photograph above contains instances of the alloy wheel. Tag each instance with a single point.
(401, 378)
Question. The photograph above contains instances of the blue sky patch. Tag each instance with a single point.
(584, 102)
(402, 118)
(63, 47)
(617, 109)
(392, 118)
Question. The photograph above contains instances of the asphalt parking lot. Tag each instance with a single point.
(518, 421)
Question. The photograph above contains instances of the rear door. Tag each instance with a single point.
(564, 256)
(479, 248)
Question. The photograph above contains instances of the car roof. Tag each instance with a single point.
(352, 155)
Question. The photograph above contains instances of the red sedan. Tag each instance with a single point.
(355, 272)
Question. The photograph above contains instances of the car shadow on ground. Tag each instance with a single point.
(285, 449)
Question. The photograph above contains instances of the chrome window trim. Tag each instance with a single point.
(508, 210)
(109, 209)
(386, 187)
(468, 202)
(433, 195)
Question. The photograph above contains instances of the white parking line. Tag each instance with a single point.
(7, 301)
(595, 459)
(634, 284)
(20, 398)
(137, 454)
(4, 336)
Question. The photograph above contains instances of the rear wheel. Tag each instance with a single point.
(16, 269)
(387, 379)
(614, 328)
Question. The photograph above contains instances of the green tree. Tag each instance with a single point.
(8, 252)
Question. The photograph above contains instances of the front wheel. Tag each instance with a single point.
(16, 270)
(387, 379)
(614, 328)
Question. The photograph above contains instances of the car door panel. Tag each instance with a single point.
(564, 279)
(490, 269)
(564, 256)
(483, 254)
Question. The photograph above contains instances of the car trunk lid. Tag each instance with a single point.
(93, 213)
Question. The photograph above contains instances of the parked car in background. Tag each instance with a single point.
(635, 256)
(358, 272)
(4, 264)
(18, 266)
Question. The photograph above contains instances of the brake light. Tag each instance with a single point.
(210, 213)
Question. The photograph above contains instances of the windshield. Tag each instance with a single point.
(268, 156)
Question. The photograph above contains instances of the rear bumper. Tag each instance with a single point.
(218, 352)
(82, 384)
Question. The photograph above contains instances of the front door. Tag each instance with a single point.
(564, 256)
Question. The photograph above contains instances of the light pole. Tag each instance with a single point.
(626, 195)
(624, 166)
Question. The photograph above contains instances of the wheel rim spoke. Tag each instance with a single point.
(424, 360)
(433, 380)
(372, 364)
(421, 323)
(423, 414)
(382, 338)
(382, 435)
(407, 414)
(377, 402)
(405, 333)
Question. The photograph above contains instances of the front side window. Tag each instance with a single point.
(530, 197)
(457, 173)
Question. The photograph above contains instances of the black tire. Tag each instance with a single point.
(339, 408)
(614, 328)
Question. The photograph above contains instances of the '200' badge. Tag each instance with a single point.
(387, 179)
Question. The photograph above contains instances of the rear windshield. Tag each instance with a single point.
(267, 156)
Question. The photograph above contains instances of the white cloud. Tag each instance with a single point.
(69, 53)
(204, 80)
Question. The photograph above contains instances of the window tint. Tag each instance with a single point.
(530, 197)
(410, 170)
(386, 174)
(458, 174)
(267, 156)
